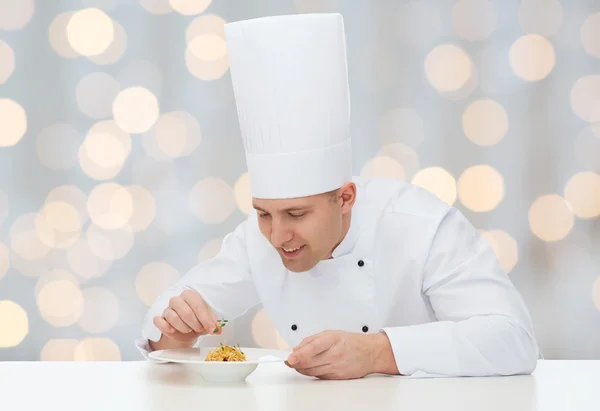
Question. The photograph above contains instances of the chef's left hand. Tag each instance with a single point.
(338, 355)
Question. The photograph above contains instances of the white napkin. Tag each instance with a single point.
(269, 358)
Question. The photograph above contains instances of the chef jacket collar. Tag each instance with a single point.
(351, 238)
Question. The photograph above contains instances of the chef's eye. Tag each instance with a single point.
(263, 215)
(297, 215)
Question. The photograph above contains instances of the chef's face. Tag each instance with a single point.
(306, 230)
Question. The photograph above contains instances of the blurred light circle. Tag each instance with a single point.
(57, 34)
(58, 224)
(61, 349)
(14, 15)
(110, 245)
(212, 200)
(402, 125)
(13, 323)
(474, 20)
(62, 216)
(243, 194)
(590, 35)
(582, 192)
(205, 24)
(152, 279)
(57, 146)
(485, 122)
(209, 29)
(171, 135)
(115, 51)
(144, 207)
(550, 218)
(95, 94)
(383, 167)
(403, 154)
(141, 74)
(157, 6)
(110, 127)
(264, 331)
(106, 5)
(208, 47)
(97, 349)
(72, 196)
(466, 90)
(189, 7)
(135, 110)
(480, 188)
(532, 57)
(61, 303)
(205, 70)
(437, 181)
(100, 310)
(53, 275)
(540, 16)
(585, 98)
(83, 262)
(175, 134)
(105, 150)
(90, 31)
(24, 239)
(210, 249)
(504, 246)
(7, 61)
(4, 260)
(448, 67)
(13, 122)
(110, 205)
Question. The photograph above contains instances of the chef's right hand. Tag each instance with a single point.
(186, 318)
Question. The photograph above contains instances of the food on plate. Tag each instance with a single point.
(226, 353)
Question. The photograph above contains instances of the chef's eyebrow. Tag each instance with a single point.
(287, 210)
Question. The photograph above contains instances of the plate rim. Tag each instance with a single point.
(152, 354)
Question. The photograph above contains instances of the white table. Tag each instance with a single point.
(131, 386)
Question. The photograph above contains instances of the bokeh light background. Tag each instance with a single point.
(122, 166)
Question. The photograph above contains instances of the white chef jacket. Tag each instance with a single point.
(410, 266)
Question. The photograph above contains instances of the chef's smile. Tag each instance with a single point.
(292, 252)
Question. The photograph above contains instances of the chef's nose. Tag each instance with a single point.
(280, 233)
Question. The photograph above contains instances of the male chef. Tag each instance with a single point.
(359, 276)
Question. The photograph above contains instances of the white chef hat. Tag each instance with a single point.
(290, 81)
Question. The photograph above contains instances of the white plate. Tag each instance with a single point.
(218, 370)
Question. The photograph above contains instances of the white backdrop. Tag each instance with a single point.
(121, 163)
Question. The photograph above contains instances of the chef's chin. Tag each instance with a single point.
(297, 265)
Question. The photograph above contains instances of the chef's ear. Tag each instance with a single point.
(347, 196)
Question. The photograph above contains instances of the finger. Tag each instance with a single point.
(306, 356)
(319, 360)
(204, 313)
(318, 371)
(173, 319)
(185, 312)
(306, 341)
(162, 325)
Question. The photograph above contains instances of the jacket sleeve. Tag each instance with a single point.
(483, 325)
(223, 281)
